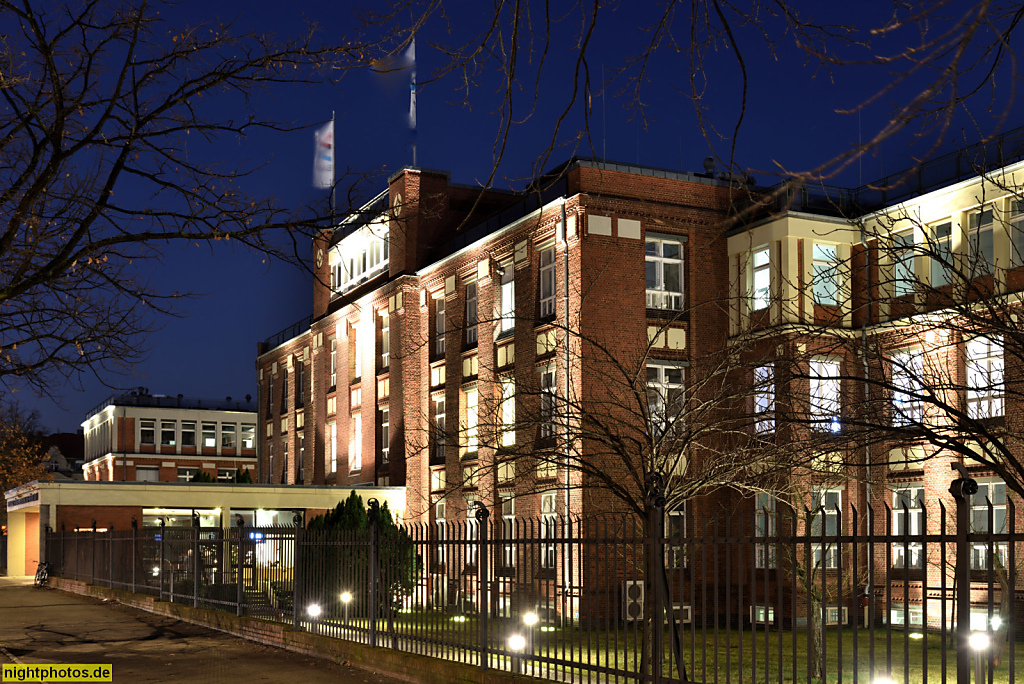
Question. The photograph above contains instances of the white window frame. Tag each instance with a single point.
(764, 399)
(188, 427)
(471, 398)
(908, 518)
(826, 518)
(908, 387)
(248, 436)
(507, 299)
(357, 352)
(658, 259)
(548, 401)
(333, 446)
(147, 425)
(355, 443)
(765, 521)
(546, 285)
(675, 528)
(507, 506)
(168, 427)
(227, 436)
(209, 428)
(825, 391)
(941, 257)
(472, 532)
(439, 431)
(153, 471)
(666, 393)
(1016, 227)
(985, 368)
(186, 473)
(548, 529)
(472, 312)
(980, 236)
(903, 259)
(992, 489)
(439, 325)
(385, 435)
(334, 362)
(441, 526)
(825, 285)
(508, 410)
(385, 338)
(760, 278)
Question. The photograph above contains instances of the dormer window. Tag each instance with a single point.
(360, 256)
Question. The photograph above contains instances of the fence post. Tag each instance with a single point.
(297, 579)
(110, 556)
(195, 560)
(93, 553)
(374, 518)
(135, 551)
(962, 489)
(240, 569)
(163, 524)
(483, 583)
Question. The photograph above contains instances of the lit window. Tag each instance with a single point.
(506, 471)
(907, 399)
(385, 339)
(186, 474)
(764, 399)
(470, 475)
(472, 421)
(507, 297)
(334, 363)
(508, 411)
(826, 522)
(471, 313)
(270, 395)
(385, 435)
(355, 352)
(227, 435)
(908, 520)
(300, 384)
(547, 282)
(439, 306)
(355, 443)
(942, 253)
(989, 501)
(664, 274)
(508, 531)
(332, 446)
(438, 480)
(472, 530)
(985, 377)
(904, 279)
(440, 514)
(168, 430)
(548, 530)
(210, 435)
(825, 283)
(1016, 221)
(284, 391)
(824, 391)
(248, 436)
(664, 394)
(366, 251)
(764, 527)
(761, 279)
(147, 432)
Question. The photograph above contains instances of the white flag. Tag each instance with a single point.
(323, 159)
(410, 58)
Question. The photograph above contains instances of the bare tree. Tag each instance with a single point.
(21, 451)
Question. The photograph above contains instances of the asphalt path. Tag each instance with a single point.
(46, 626)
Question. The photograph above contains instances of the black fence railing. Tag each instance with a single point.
(836, 595)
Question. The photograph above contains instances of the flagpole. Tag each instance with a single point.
(333, 170)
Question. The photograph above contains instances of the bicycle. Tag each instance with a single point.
(42, 574)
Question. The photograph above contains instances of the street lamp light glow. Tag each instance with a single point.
(346, 596)
(884, 679)
(313, 610)
(517, 642)
(997, 622)
(530, 619)
(979, 641)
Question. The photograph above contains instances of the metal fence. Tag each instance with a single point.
(810, 595)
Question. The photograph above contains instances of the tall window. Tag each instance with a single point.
(764, 527)
(356, 352)
(825, 283)
(907, 375)
(980, 251)
(764, 399)
(301, 459)
(990, 499)
(547, 282)
(1016, 220)
(227, 435)
(508, 531)
(908, 519)
(985, 377)
(507, 308)
(270, 395)
(824, 390)
(168, 430)
(385, 435)
(508, 411)
(675, 533)
(904, 280)
(188, 433)
(334, 362)
(942, 253)
(437, 432)
(472, 531)
(355, 443)
(471, 313)
(332, 446)
(440, 523)
(472, 421)
(761, 279)
(209, 435)
(439, 325)
(548, 530)
(248, 436)
(828, 506)
(664, 393)
(548, 391)
(284, 391)
(147, 432)
(385, 339)
(664, 262)
(300, 384)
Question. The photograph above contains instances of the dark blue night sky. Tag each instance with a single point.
(791, 122)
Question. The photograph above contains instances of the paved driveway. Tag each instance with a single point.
(49, 626)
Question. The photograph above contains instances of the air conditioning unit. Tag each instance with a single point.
(633, 600)
(836, 615)
(682, 613)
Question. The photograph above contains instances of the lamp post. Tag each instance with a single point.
(517, 642)
(346, 598)
(979, 641)
(530, 619)
(314, 612)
